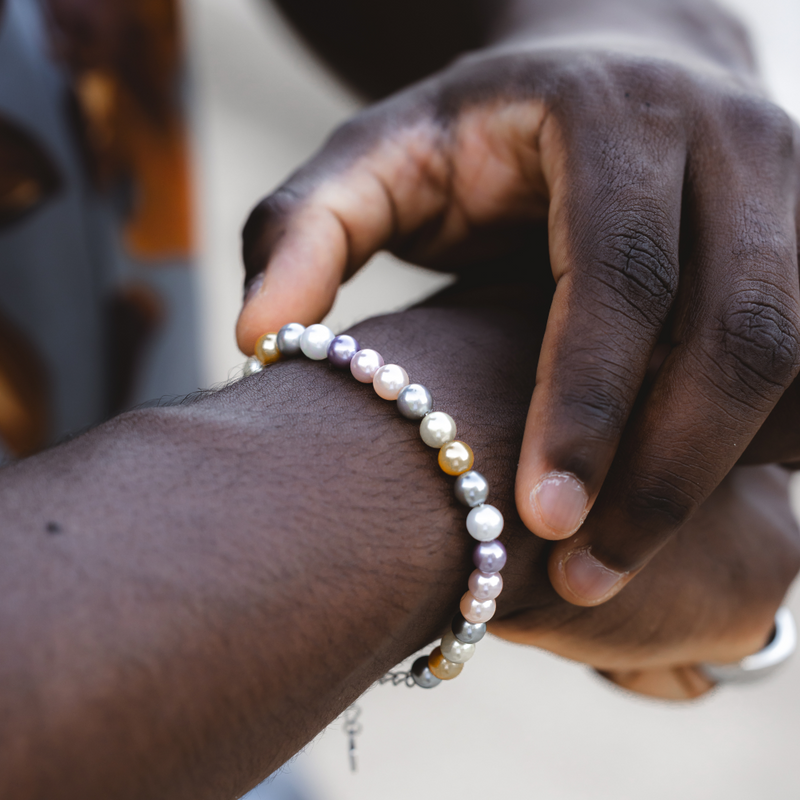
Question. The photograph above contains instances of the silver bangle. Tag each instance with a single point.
(765, 661)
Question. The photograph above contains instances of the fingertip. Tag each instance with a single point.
(299, 284)
(580, 578)
(555, 507)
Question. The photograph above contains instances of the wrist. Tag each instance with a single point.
(679, 29)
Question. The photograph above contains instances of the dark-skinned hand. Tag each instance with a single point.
(710, 593)
(668, 183)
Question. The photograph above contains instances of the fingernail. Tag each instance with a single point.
(560, 500)
(252, 287)
(587, 578)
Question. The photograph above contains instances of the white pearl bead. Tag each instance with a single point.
(455, 651)
(389, 381)
(485, 585)
(251, 367)
(315, 341)
(437, 429)
(484, 523)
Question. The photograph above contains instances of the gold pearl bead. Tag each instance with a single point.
(456, 457)
(443, 669)
(267, 349)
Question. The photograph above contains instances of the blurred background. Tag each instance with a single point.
(518, 723)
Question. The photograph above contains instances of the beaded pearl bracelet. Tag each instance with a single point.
(438, 430)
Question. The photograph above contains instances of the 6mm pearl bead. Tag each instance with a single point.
(364, 365)
(471, 488)
(315, 341)
(456, 651)
(288, 339)
(467, 632)
(489, 556)
(484, 523)
(341, 351)
(475, 610)
(437, 429)
(485, 585)
(389, 381)
(422, 675)
(442, 667)
(456, 457)
(415, 401)
(266, 349)
(252, 366)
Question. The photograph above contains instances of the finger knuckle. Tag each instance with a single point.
(658, 502)
(638, 266)
(759, 340)
(266, 221)
(761, 122)
(620, 79)
(595, 404)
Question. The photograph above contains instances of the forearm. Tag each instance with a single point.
(380, 47)
(188, 595)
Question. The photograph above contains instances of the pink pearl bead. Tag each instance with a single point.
(389, 381)
(475, 611)
(485, 585)
(364, 365)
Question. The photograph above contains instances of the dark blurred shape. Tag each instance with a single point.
(28, 176)
(24, 393)
(379, 46)
(134, 315)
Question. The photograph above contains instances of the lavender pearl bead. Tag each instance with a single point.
(365, 364)
(489, 556)
(342, 350)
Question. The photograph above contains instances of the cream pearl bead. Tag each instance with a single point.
(437, 429)
(484, 523)
(485, 586)
(474, 610)
(315, 341)
(389, 381)
(455, 651)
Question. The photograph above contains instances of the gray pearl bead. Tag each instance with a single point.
(422, 675)
(414, 401)
(471, 488)
(288, 340)
(467, 632)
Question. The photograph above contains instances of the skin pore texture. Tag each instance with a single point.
(189, 594)
(640, 135)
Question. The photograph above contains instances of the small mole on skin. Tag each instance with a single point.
(627, 94)
(647, 103)
(52, 527)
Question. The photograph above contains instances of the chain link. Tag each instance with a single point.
(397, 679)
(352, 727)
